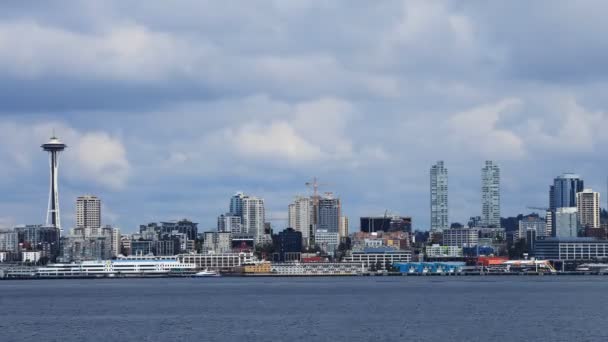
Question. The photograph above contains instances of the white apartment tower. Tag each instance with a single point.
(588, 205)
(253, 216)
(88, 212)
(301, 216)
(490, 195)
(439, 197)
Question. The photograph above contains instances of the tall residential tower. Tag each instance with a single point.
(439, 197)
(490, 195)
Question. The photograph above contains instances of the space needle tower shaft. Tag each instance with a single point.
(53, 147)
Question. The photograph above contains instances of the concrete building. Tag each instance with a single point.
(318, 268)
(229, 223)
(588, 206)
(531, 223)
(559, 249)
(287, 245)
(327, 241)
(217, 242)
(40, 238)
(438, 251)
(9, 241)
(216, 262)
(301, 217)
(329, 212)
(490, 195)
(32, 257)
(379, 257)
(253, 216)
(343, 227)
(439, 197)
(88, 213)
(566, 222)
(386, 224)
(461, 237)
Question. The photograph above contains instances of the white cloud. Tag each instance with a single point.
(476, 131)
(91, 156)
(103, 159)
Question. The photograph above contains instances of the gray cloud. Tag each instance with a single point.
(198, 99)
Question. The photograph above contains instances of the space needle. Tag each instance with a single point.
(53, 147)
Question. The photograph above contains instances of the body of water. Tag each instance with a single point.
(488, 308)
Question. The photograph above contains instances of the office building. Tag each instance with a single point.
(560, 249)
(343, 227)
(379, 258)
(40, 238)
(461, 237)
(588, 206)
(439, 197)
(287, 245)
(217, 242)
(184, 226)
(54, 147)
(329, 211)
(88, 213)
(236, 204)
(490, 195)
(9, 241)
(327, 241)
(438, 251)
(532, 223)
(229, 223)
(373, 224)
(564, 189)
(301, 216)
(566, 222)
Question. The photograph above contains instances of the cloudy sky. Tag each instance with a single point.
(170, 107)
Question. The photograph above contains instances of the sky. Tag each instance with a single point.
(170, 107)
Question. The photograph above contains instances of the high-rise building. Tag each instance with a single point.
(300, 217)
(229, 223)
(253, 216)
(329, 213)
(54, 147)
(563, 192)
(236, 204)
(490, 195)
(566, 222)
(439, 197)
(343, 227)
(588, 205)
(88, 213)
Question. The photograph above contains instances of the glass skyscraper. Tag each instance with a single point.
(439, 197)
(490, 195)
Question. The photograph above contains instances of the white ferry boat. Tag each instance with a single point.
(127, 266)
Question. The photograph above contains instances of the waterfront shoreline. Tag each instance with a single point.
(469, 274)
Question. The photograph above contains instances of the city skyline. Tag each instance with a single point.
(266, 104)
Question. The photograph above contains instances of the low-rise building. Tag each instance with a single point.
(461, 237)
(319, 268)
(560, 249)
(32, 257)
(259, 268)
(438, 251)
(379, 257)
(220, 261)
